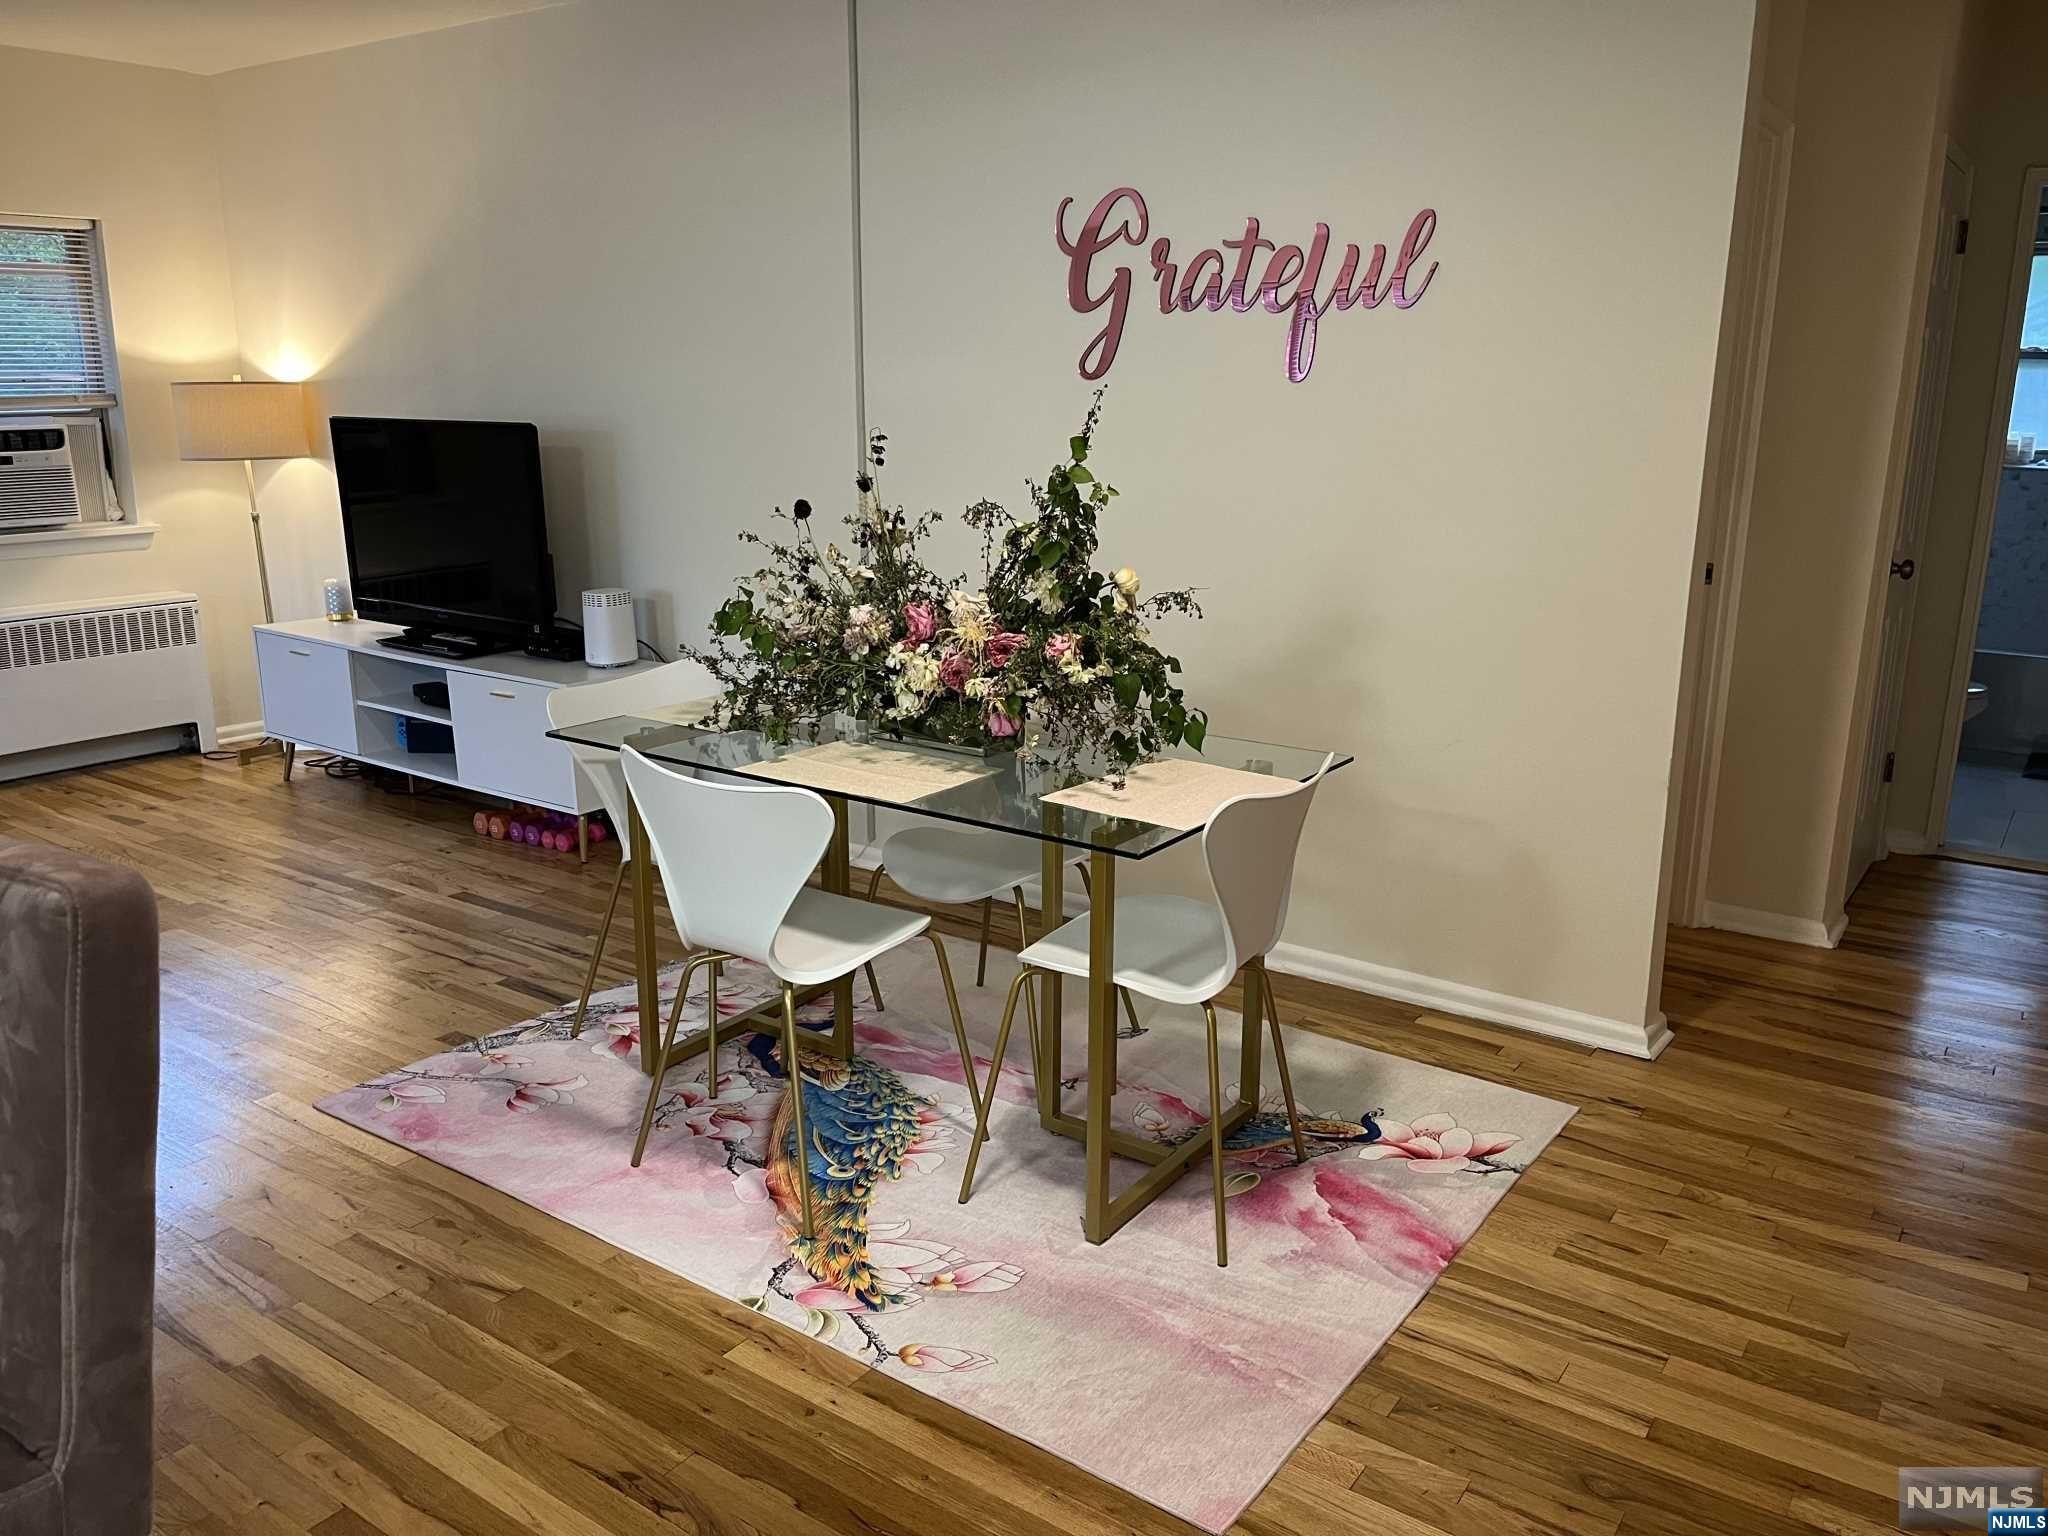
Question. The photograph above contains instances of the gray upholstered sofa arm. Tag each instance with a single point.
(78, 1103)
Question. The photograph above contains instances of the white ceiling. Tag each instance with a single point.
(208, 37)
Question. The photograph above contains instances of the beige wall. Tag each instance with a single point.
(134, 149)
(1461, 547)
(626, 221)
(2002, 121)
(1871, 97)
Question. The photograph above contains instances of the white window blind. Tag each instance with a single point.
(53, 342)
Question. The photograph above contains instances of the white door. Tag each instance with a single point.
(1916, 498)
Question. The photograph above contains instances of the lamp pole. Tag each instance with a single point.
(256, 526)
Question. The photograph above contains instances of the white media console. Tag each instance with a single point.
(333, 687)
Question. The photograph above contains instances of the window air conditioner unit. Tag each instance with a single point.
(53, 474)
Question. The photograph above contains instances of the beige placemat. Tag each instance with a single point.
(870, 771)
(1175, 792)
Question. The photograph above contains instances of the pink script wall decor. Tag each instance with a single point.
(1289, 282)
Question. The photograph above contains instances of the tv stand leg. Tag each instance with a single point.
(582, 838)
(290, 751)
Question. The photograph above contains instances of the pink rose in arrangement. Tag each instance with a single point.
(999, 724)
(1435, 1144)
(920, 621)
(1060, 647)
(955, 670)
(1002, 646)
(938, 1359)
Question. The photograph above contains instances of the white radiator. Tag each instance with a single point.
(88, 682)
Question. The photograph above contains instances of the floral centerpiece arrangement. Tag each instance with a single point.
(1043, 650)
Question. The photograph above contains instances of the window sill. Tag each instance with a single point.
(85, 538)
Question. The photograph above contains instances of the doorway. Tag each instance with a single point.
(1937, 336)
(1998, 756)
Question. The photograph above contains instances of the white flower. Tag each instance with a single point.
(870, 507)
(1044, 591)
(865, 628)
(979, 687)
(917, 678)
(972, 621)
(918, 668)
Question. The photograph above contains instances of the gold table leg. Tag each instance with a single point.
(838, 879)
(1052, 877)
(1101, 1041)
(648, 988)
(1103, 1213)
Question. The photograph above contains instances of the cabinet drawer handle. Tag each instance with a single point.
(297, 652)
(496, 694)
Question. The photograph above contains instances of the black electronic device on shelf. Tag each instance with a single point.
(558, 642)
(446, 531)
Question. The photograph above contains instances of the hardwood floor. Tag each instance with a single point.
(1747, 1283)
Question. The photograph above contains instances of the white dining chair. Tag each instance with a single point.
(957, 866)
(733, 859)
(678, 687)
(1176, 949)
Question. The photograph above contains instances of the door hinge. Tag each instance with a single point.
(1708, 581)
(1962, 236)
(1891, 761)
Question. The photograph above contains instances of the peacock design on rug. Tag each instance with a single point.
(864, 1125)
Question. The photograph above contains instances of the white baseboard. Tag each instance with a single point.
(1898, 840)
(1644, 1040)
(1810, 931)
(238, 734)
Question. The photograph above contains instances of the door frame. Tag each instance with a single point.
(1729, 490)
(2032, 186)
(1867, 789)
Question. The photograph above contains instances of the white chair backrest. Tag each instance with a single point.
(677, 682)
(1249, 844)
(732, 856)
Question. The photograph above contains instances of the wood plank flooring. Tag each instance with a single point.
(1746, 1284)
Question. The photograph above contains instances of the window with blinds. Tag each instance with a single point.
(53, 337)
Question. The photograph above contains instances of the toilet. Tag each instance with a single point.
(1977, 701)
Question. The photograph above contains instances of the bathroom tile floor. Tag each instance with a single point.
(1997, 810)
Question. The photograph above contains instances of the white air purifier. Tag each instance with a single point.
(608, 637)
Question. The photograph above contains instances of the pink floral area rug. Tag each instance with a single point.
(999, 1306)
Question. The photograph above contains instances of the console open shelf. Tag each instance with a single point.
(332, 687)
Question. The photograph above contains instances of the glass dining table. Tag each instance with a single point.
(1018, 793)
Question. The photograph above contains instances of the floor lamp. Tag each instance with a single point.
(257, 419)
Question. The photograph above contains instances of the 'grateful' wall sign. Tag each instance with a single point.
(1290, 283)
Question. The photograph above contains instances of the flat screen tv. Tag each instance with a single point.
(446, 530)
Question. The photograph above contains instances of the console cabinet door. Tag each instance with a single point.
(501, 741)
(306, 692)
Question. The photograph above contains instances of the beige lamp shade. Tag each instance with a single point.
(254, 420)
